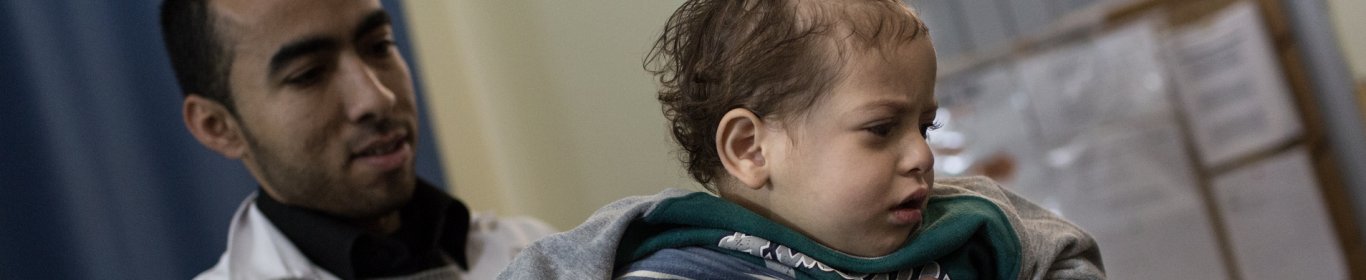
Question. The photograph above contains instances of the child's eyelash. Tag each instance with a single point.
(932, 126)
(935, 125)
(887, 128)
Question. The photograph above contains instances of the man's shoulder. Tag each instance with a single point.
(1048, 243)
(588, 250)
(256, 249)
(974, 186)
(494, 241)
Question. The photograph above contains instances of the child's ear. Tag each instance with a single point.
(213, 126)
(737, 143)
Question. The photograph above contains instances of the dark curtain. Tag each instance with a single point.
(98, 177)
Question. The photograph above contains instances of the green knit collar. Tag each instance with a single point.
(951, 223)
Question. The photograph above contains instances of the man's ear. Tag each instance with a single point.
(213, 126)
(737, 143)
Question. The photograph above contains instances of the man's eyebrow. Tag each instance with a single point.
(301, 48)
(376, 19)
(311, 45)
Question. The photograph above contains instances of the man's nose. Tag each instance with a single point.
(366, 97)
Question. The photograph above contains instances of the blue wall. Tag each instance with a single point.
(98, 177)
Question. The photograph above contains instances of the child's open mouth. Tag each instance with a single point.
(909, 211)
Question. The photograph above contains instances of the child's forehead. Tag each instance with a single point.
(851, 30)
(892, 76)
(867, 23)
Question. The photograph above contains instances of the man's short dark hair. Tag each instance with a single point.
(198, 54)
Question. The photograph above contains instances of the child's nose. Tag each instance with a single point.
(916, 158)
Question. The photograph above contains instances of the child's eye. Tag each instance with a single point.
(925, 128)
(882, 130)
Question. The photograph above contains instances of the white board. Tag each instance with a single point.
(1277, 221)
(1231, 86)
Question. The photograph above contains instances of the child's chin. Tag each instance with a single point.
(888, 250)
(893, 245)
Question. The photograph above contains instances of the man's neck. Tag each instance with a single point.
(428, 232)
(383, 226)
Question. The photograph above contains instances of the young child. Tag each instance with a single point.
(808, 120)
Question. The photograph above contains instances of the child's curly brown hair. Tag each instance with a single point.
(772, 57)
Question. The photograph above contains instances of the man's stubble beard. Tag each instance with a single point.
(312, 186)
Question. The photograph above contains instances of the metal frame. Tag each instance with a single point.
(1333, 90)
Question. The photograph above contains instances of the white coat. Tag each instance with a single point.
(257, 250)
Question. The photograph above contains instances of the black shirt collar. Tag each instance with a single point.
(433, 228)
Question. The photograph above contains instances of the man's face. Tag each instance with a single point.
(324, 101)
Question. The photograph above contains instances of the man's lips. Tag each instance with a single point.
(384, 145)
(385, 153)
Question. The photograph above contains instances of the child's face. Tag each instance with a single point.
(854, 173)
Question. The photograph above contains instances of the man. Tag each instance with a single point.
(315, 100)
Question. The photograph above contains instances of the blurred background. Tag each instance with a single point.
(1204, 139)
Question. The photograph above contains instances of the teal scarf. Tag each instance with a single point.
(965, 237)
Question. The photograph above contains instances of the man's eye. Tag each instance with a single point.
(381, 48)
(305, 78)
(925, 128)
